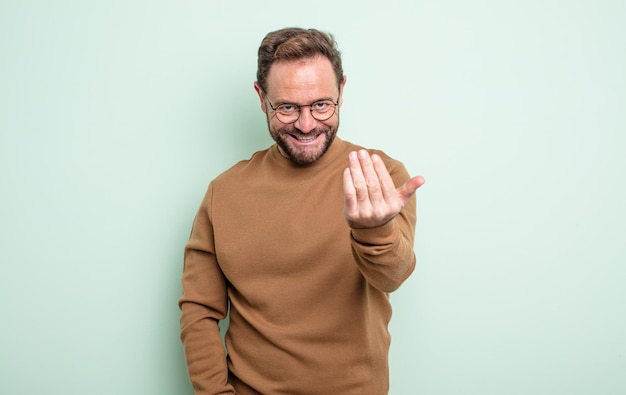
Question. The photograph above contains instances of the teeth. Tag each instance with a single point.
(305, 140)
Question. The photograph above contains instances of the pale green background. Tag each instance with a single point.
(115, 115)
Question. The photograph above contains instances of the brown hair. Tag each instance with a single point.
(293, 44)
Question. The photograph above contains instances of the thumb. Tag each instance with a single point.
(408, 189)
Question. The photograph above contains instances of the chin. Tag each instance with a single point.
(305, 155)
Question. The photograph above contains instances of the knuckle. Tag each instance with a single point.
(359, 185)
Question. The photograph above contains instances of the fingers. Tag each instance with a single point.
(349, 192)
(369, 176)
(388, 188)
(358, 177)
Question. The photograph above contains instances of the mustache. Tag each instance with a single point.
(291, 129)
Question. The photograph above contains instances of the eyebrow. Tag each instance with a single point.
(280, 103)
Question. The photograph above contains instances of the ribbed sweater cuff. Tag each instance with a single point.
(380, 235)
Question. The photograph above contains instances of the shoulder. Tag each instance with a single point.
(390, 162)
(242, 167)
(394, 166)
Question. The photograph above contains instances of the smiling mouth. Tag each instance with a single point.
(304, 139)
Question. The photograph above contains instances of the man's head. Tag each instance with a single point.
(295, 44)
(300, 84)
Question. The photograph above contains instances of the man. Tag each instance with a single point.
(303, 242)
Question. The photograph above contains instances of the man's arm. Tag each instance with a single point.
(204, 303)
(382, 218)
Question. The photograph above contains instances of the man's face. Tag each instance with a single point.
(301, 82)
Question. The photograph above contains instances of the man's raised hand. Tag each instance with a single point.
(371, 198)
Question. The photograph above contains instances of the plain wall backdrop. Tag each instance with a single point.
(115, 115)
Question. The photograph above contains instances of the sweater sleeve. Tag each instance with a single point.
(204, 302)
(385, 254)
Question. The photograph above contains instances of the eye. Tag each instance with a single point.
(322, 106)
(287, 109)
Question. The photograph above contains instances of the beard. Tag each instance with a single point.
(285, 135)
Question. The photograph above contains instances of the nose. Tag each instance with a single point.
(306, 122)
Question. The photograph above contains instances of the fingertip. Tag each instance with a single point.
(363, 154)
(419, 181)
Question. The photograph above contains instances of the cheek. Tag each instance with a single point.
(278, 127)
(331, 123)
(273, 122)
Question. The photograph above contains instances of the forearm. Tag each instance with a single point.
(204, 351)
(385, 254)
(203, 304)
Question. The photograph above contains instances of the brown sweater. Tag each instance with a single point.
(309, 304)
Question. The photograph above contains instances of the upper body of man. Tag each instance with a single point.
(302, 243)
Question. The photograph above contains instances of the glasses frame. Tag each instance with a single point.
(299, 106)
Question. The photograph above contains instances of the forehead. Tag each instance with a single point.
(302, 80)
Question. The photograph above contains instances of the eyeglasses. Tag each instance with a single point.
(288, 113)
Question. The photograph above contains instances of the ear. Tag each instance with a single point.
(343, 84)
(259, 92)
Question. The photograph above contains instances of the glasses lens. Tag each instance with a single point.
(323, 110)
(287, 113)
